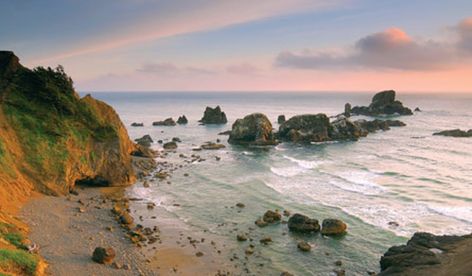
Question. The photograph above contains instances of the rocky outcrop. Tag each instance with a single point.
(254, 129)
(166, 122)
(344, 129)
(303, 224)
(383, 103)
(144, 141)
(375, 125)
(347, 110)
(50, 137)
(182, 120)
(305, 128)
(214, 116)
(427, 254)
(455, 133)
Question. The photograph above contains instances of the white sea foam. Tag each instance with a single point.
(462, 213)
(287, 171)
(303, 163)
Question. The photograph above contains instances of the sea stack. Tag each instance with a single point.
(213, 116)
(254, 129)
(383, 103)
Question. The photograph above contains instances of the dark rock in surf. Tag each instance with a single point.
(347, 110)
(214, 116)
(144, 141)
(305, 129)
(170, 145)
(254, 129)
(182, 120)
(455, 133)
(137, 124)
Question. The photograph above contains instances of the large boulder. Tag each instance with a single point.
(254, 129)
(427, 254)
(214, 116)
(144, 141)
(383, 103)
(374, 125)
(333, 227)
(305, 128)
(455, 133)
(103, 255)
(303, 224)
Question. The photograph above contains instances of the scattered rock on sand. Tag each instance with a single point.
(253, 129)
(303, 224)
(304, 246)
(383, 103)
(103, 255)
(166, 122)
(214, 116)
(170, 145)
(182, 120)
(455, 133)
(333, 227)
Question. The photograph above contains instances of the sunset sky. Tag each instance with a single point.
(246, 45)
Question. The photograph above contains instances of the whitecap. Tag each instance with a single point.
(303, 163)
(287, 171)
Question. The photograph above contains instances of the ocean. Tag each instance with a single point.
(385, 186)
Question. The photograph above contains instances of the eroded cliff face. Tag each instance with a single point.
(50, 138)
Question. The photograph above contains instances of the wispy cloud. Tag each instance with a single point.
(189, 16)
(390, 49)
(167, 68)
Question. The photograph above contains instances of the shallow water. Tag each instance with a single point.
(404, 175)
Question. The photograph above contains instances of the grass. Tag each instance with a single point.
(12, 260)
(11, 234)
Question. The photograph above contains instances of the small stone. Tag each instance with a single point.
(199, 254)
(265, 240)
(126, 219)
(338, 263)
(146, 184)
(333, 227)
(249, 250)
(340, 272)
(304, 246)
(271, 216)
(261, 223)
(240, 205)
(126, 267)
(116, 265)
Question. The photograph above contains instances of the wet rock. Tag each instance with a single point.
(304, 246)
(253, 129)
(281, 119)
(383, 103)
(271, 217)
(260, 222)
(338, 263)
(240, 205)
(417, 109)
(144, 151)
(199, 254)
(303, 224)
(305, 129)
(170, 145)
(249, 250)
(228, 132)
(176, 139)
(286, 213)
(214, 116)
(285, 273)
(166, 122)
(137, 124)
(333, 227)
(146, 184)
(182, 120)
(339, 272)
(375, 125)
(344, 129)
(455, 133)
(103, 255)
(212, 146)
(144, 141)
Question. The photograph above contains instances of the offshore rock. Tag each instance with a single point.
(383, 103)
(455, 133)
(305, 128)
(214, 116)
(254, 129)
(303, 224)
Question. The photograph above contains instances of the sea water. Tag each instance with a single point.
(385, 186)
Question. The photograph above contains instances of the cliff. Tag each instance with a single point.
(51, 139)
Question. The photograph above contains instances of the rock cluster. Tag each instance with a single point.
(214, 116)
(303, 224)
(455, 133)
(144, 141)
(166, 122)
(383, 103)
(254, 129)
(305, 128)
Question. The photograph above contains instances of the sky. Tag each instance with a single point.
(246, 45)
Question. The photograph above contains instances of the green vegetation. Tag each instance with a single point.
(48, 116)
(11, 234)
(18, 259)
